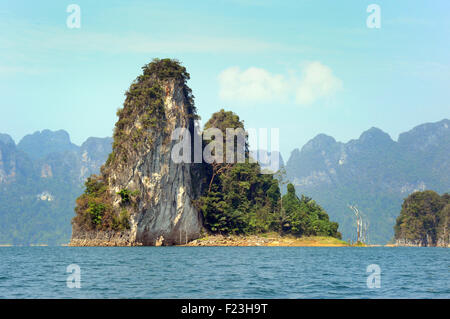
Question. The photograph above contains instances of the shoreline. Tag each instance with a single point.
(265, 240)
(213, 240)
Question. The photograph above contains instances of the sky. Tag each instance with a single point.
(305, 67)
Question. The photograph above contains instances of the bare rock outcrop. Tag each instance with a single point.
(142, 196)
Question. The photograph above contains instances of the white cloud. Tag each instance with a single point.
(251, 85)
(256, 85)
(318, 82)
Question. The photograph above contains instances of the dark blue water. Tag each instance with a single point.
(224, 272)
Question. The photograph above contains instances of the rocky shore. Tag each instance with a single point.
(101, 238)
(421, 243)
(109, 239)
(267, 240)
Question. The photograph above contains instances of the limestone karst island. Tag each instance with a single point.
(217, 155)
(143, 197)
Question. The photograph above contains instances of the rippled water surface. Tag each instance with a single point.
(224, 272)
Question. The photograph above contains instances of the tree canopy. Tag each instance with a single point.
(424, 217)
(304, 217)
(241, 200)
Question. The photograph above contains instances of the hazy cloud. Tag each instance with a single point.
(257, 85)
(11, 70)
(318, 82)
(251, 85)
(37, 38)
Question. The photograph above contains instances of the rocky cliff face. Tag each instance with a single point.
(373, 172)
(39, 183)
(425, 242)
(143, 184)
(422, 243)
(7, 159)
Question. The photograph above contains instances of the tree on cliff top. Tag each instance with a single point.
(165, 69)
(142, 118)
(239, 199)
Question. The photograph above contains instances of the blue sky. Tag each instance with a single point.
(307, 67)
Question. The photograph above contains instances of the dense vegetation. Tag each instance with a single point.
(303, 217)
(238, 198)
(241, 200)
(425, 217)
(95, 211)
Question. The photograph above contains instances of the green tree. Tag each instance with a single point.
(239, 199)
(304, 217)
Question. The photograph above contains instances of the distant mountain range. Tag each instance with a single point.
(373, 172)
(43, 174)
(40, 178)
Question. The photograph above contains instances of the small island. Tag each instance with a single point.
(143, 197)
(424, 220)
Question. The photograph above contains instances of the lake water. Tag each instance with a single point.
(225, 272)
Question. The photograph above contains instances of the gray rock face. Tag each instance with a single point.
(410, 243)
(101, 238)
(443, 241)
(164, 213)
(7, 162)
(425, 242)
(92, 154)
